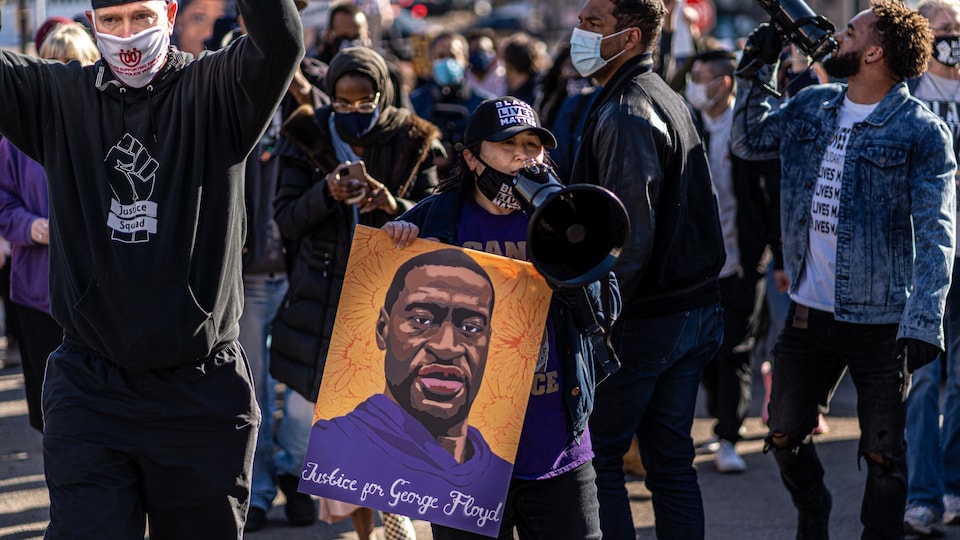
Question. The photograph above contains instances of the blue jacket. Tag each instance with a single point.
(437, 217)
(895, 236)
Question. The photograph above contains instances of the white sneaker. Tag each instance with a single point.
(709, 446)
(728, 460)
(951, 508)
(923, 521)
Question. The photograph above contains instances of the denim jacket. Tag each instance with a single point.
(895, 231)
(437, 217)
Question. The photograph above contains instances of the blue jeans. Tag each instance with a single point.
(293, 433)
(933, 454)
(777, 305)
(653, 396)
(810, 361)
(556, 508)
(262, 296)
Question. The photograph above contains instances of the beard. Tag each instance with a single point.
(437, 425)
(844, 65)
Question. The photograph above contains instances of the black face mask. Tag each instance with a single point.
(946, 50)
(480, 61)
(354, 124)
(497, 186)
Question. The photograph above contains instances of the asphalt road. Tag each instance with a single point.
(747, 506)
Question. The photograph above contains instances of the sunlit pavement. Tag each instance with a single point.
(751, 505)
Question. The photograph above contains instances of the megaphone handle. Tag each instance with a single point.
(587, 319)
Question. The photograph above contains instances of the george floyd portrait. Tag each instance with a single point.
(426, 383)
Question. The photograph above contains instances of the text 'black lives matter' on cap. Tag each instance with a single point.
(499, 119)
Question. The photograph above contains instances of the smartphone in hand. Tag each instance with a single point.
(356, 174)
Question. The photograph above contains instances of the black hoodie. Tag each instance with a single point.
(146, 187)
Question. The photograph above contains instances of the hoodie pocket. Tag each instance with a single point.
(145, 325)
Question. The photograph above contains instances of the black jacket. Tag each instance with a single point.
(146, 187)
(320, 230)
(641, 142)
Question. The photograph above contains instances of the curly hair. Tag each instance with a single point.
(905, 36)
(647, 15)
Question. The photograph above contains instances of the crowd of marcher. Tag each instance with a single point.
(180, 183)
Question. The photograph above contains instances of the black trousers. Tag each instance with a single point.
(727, 379)
(39, 336)
(172, 447)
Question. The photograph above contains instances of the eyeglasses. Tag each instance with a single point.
(947, 29)
(366, 107)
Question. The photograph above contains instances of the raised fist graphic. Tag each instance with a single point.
(132, 174)
(137, 168)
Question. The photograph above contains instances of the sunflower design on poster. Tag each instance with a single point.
(426, 382)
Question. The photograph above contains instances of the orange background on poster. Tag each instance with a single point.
(354, 367)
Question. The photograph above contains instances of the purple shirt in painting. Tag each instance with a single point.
(546, 448)
(23, 198)
(380, 456)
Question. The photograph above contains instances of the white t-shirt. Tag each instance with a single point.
(721, 171)
(817, 286)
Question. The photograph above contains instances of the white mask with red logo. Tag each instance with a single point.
(135, 60)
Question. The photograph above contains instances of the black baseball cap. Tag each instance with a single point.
(97, 4)
(499, 119)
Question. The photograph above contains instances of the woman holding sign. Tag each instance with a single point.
(552, 492)
(358, 160)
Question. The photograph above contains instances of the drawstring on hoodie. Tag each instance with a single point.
(153, 121)
(123, 110)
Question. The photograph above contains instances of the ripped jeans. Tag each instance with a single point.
(809, 364)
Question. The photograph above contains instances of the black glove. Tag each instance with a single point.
(763, 47)
(916, 353)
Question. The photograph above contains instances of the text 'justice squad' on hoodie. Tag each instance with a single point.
(146, 187)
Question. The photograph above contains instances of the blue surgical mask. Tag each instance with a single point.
(447, 71)
(585, 51)
(356, 124)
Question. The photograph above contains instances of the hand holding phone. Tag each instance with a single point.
(348, 182)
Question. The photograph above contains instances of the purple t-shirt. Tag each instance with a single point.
(546, 448)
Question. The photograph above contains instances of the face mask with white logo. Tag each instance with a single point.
(946, 50)
(696, 94)
(135, 60)
(497, 187)
(585, 51)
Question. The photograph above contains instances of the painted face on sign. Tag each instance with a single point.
(436, 336)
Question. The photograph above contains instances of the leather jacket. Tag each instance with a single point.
(641, 142)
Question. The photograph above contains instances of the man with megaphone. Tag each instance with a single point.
(552, 493)
(867, 219)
